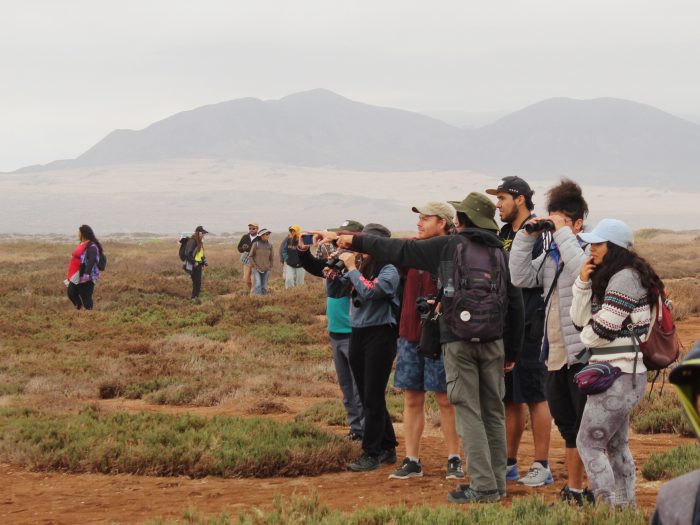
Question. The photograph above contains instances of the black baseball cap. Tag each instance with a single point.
(513, 185)
(200, 229)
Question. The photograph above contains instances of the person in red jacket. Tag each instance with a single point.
(415, 374)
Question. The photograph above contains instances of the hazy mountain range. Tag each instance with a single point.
(602, 141)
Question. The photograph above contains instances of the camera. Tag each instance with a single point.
(423, 307)
(539, 226)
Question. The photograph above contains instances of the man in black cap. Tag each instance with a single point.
(525, 385)
(474, 366)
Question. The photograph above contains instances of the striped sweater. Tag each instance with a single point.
(606, 325)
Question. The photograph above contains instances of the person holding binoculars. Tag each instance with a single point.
(556, 270)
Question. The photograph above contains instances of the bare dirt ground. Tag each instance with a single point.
(58, 498)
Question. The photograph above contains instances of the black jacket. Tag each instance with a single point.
(245, 240)
(427, 254)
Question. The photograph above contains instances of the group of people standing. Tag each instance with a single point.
(567, 292)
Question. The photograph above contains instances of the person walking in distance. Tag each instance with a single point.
(293, 272)
(525, 384)
(244, 246)
(556, 270)
(195, 260)
(83, 269)
(261, 261)
(416, 374)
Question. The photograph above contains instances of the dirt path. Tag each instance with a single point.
(56, 498)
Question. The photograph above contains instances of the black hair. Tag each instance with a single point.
(618, 258)
(528, 201)
(87, 233)
(567, 198)
(464, 221)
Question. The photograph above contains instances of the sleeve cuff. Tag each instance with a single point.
(583, 285)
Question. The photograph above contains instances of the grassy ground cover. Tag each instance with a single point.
(672, 463)
(167, 445)
(660, 413)
(526, 511)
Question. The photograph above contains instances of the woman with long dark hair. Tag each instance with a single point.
(611, 305)
(83, 270)
(374, 307)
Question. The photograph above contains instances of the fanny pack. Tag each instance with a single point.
(596, 378)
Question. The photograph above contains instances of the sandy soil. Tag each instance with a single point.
(58, 498)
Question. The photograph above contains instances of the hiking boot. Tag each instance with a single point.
(408, 469)
(364, 463)
(454, 469)
(470, 495)
(579, 498)
(512, 473)
(537, 476)
(465, 486)
(388, 456)
(353, 436)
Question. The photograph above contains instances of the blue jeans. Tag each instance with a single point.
(260, 279)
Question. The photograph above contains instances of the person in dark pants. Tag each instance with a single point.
(195, 260)
(374, 307)
(83, 270)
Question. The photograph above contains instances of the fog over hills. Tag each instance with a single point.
(600, 141)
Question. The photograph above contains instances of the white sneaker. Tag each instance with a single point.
(537, 476)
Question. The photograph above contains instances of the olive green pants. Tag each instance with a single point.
(475, 386)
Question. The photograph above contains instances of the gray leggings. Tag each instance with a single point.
(604, 428)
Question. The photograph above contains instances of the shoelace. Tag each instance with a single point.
(533, 472)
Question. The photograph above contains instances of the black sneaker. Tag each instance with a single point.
(388, 456)
(365, 463)
(578, 498)
(470, 495)
(454, 469)
(408, 469)
(465, 486)
(353, 436)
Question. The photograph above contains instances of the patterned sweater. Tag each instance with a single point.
(605, 325)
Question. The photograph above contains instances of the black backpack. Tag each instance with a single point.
(101, 259)
(183, 246)
(475, 290)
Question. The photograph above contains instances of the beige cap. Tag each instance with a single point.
(437, 208)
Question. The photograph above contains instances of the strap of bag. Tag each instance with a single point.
(636, 341)
(554, 283)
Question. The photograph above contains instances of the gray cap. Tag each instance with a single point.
(377, 229)
(436, 208)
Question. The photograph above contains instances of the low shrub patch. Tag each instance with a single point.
(528, 511)
(660, 414)
(327, 412)
(672, 463)
(167, 445)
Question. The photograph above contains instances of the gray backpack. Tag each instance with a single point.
(475, 290)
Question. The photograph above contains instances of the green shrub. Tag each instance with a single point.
(672, 463)
(660, 414)
(526, 511)
(327, 412)
(167, 445)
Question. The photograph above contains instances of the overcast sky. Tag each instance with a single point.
(73, 70)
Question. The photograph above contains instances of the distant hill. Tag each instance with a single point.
(603, 140)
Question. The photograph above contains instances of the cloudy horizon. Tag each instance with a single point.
(76, 71)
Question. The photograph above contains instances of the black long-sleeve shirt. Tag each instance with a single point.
(427, 255)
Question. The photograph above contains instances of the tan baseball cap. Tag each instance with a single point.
(437, 208)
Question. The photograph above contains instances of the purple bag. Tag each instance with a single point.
(596, 378)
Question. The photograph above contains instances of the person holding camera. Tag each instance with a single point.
(416, 374)
(525, 384)
(480, 309)
(374, 308)
(261, 260)
(195, 260)
(556, 270)
(339, 327)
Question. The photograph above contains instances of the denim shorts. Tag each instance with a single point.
(414, 372)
